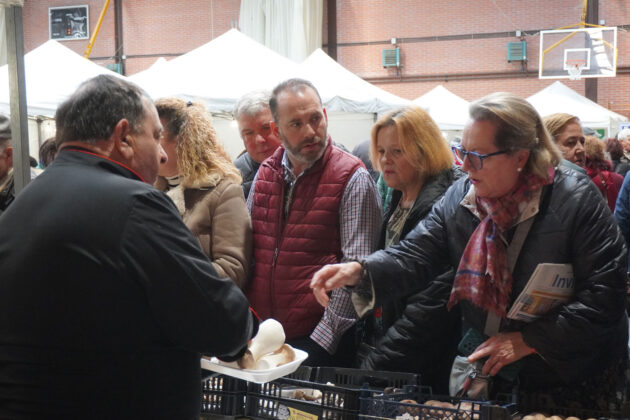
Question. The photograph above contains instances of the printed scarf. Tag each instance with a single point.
(483, 276)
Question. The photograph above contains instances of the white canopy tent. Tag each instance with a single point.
(155, 67)
(53, 72)
(219, 72)
(558, 97)
(449, 111)
(342, 90)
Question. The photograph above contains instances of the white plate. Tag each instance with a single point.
(258, 376)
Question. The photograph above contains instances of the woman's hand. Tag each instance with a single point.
(334, 276)
(502, 349)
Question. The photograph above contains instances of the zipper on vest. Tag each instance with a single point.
(275, 256)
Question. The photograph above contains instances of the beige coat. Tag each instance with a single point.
(218, 217)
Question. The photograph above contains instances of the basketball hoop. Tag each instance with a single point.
(574, 68)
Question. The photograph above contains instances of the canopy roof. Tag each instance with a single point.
(52, 73)
(221, 71)
(342, 90)
(558, 97)
(218, 72)
(449, 111)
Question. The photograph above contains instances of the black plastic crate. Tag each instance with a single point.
(391, 406)
(224, 395)
(339, 401)
(541, 403)
(359, 377)
(221, 394)
(224, 403)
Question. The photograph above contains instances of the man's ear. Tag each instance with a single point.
(274, 128)
(123, 139)
(325, 115)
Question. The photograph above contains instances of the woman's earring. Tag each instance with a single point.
(519, 169)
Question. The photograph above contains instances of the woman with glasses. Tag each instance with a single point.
(515, 211)
(407, 147)
(205, 186)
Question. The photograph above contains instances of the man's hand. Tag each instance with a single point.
(334, 276)
(502, 349)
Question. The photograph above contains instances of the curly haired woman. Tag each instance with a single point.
(205, 186)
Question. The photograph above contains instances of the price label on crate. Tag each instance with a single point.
(290, 413)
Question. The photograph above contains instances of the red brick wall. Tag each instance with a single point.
(365, 27)
(150, 27)
(453, 63)
(36, 32)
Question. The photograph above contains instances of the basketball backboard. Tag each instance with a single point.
(576, 53)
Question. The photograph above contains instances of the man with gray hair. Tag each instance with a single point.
(106, 299)
(7, 187)
(253, 117)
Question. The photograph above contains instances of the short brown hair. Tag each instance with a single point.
(614, 148)
(595, 157)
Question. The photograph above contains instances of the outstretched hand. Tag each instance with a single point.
(334, 276)
(501, 350)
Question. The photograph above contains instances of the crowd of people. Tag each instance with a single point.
(142, 246)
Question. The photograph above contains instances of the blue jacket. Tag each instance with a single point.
(622, 210)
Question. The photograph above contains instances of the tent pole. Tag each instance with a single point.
(17, 95)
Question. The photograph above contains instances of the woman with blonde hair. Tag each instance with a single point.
(408, 148)
(205, 186)
(517, 212)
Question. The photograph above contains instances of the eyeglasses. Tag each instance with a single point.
(474, 159)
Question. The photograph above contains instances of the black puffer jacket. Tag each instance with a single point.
(420, 334)
(574, 226)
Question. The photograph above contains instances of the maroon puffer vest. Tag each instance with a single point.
(287, 256)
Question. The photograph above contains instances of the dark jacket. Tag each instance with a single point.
(7, 195)
(621, 166)
(420, 335)
(248, 168)
(288, 252)
(362, 151)
(106, 299)
(574, 226)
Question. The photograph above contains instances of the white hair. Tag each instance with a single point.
(624, 134)
(252, 103)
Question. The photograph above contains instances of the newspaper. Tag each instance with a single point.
(549, 286)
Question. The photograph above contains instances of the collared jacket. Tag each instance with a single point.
(215, 212)
(573, 225)
(248, 168)
(288, 252)
(106, 299)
